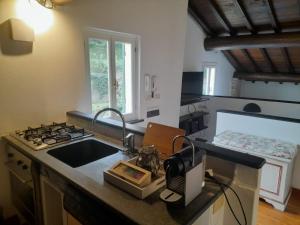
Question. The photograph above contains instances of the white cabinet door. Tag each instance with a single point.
(271, 178)
(52, 198)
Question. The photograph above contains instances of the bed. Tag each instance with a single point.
(274, 138)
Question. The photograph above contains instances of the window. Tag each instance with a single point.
(209, 79)
(113, 70)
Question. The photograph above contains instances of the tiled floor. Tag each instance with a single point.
(267, 215)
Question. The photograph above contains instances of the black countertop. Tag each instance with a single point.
(233, 156)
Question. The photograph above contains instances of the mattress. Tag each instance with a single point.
(257, 145)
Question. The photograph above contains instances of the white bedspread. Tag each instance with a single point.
(256, 144)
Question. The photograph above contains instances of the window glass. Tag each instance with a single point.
(123, 63)
(209, 80)
(112, 64)
(99, 73)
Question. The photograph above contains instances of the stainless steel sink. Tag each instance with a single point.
(82, 153)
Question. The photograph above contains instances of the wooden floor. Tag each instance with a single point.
(267, 215)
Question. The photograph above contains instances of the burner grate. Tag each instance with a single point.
(51, 134)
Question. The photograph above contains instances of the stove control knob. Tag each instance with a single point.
(37, 141)
(10, 155)
(24, 167)
(19, 132)
(19, 162)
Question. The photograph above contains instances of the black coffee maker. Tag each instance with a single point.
(185, 172)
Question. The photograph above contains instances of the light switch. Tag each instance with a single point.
(148, 89)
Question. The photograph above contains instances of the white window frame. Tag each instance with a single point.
(112, 37)
(209, 65)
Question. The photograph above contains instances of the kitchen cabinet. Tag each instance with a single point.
(214, 215)
(52, 199)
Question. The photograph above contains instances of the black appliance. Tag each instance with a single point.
(192, 86)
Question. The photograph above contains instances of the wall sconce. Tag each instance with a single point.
(35, 15)
(46, 3)
(16, 37)
(51, 3)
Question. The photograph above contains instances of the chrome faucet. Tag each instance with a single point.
(128, 141)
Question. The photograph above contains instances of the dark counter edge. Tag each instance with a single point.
(254, 99)
(287, 119)
(109, 122)
(233, 156)
(207, 97)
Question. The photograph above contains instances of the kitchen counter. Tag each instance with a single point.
(89, 180)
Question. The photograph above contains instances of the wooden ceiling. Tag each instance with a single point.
(234, 26)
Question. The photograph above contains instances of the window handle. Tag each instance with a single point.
(116, 84)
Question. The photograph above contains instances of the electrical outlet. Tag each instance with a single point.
(152, 113)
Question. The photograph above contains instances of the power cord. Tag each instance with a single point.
(222, 185)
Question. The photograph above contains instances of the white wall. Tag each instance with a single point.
(30, 83)
(195, 55)
(271, 90)
(269, 108)
(42, 86)
(194, 58)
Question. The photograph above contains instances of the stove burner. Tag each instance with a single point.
(50, 134)
(56, 139)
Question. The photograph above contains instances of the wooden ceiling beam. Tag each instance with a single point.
(274, 20)
(277, 28)
(249, 57)
(268, 60)
(287, 59)
(234, 61)
(290, 26)
(221, 17)
(201, 21)
(271, 77)
(226, 24)
(248, 22)
(253, 41)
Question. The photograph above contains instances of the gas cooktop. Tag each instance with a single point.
(50, 135)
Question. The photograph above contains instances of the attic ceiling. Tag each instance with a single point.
(242, 28)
